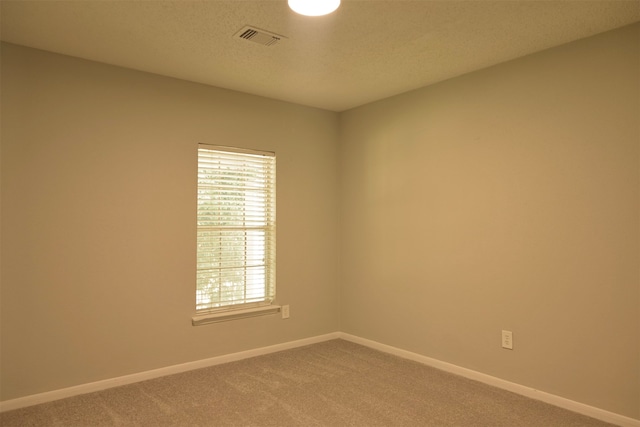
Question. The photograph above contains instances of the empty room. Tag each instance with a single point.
(409, 213)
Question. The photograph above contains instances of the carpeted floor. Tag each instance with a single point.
(334, 383)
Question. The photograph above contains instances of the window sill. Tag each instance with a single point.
(224, 316)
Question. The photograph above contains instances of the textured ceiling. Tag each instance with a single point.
(365, 51)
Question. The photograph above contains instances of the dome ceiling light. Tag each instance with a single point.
(314, 7)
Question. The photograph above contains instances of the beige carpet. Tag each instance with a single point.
(335, 383)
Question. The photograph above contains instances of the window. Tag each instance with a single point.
(236, 226)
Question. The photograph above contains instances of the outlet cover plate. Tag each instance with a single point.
(507, 340)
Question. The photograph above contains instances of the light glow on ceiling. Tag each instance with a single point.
(314, 7)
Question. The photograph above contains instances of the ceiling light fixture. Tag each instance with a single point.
(314, 7)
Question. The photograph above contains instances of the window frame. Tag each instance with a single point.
(253, 218)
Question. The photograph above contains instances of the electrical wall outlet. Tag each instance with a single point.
(285, 311)
(507, 340)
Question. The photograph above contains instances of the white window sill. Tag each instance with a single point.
(223, 316)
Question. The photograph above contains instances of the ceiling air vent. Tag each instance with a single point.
(259, 36)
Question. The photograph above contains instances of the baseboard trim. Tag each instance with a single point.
(558, 401)
(552, 399)
(50, 396)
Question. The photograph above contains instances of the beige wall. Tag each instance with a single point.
(505, 199)
(98, 219)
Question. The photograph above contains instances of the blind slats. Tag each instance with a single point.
(236, 228)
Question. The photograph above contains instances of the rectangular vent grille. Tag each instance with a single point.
(259, 36)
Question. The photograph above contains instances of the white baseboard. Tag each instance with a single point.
(561, 402)
(49, 396)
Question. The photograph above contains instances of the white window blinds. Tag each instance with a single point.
(236, 228)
